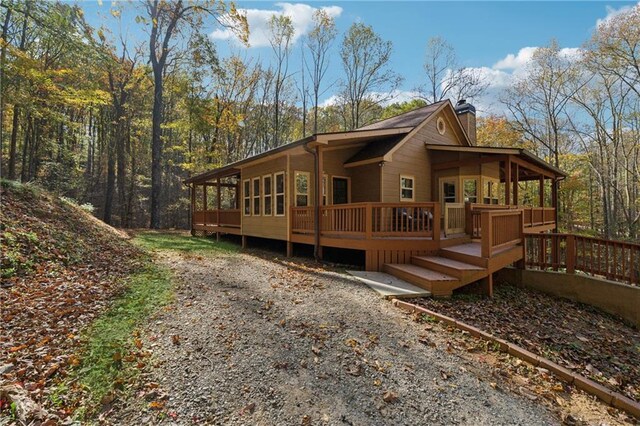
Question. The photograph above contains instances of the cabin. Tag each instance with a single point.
(413, 193)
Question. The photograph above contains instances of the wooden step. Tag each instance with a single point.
(437, 283)
(469, 253)
(447, 266)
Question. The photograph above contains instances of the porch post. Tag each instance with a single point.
(192, 193)
(218, 201)
(507, 181)
(515, 184)
(320, 173)
(554, 201)
(204, 200)
(541, 191)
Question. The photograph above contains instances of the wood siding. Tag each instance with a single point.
(413, 159)
(265, 226)
(365, 183)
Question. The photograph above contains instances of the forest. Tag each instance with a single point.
(117, 124)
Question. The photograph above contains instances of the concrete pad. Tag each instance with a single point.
(389, 286)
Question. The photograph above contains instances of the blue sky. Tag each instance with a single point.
(484, 34)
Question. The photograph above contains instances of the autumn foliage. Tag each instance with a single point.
(60, 268)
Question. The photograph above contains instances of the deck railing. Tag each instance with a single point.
(454, 218)
(370, 220)
(533, 216)
(501, 229)
(613, 260)
(229, 218)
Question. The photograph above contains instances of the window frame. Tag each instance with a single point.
(265, 195)
(412, 188)
(256, 197)
(493, 192)
(276, 194)
(246, 197)
(295, 188)
(464, 179)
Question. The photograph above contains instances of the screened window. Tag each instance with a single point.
(449, 192)
(407, 187)
(256, 196)
(279, 192)
(490, 192)
(246, 194)
(470, 190)
(267, 188)
(302, 189)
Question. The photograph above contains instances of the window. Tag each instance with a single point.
(256, 196)
(470, 188)
(302, 189)
(407, 188)
(490, 191)
(325, 180)
(246, 194)
(267, 189)
(280, 194)
(449, 192)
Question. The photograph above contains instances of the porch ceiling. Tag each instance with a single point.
(531, 166)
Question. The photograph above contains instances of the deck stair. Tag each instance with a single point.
(453, 267)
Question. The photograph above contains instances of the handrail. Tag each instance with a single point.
(533, 216)
(501, 228)
(613, 260)
(371, 220)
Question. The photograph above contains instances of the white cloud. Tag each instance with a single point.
(518, 60)
(613, 12)
(397, 96)
(301, 16)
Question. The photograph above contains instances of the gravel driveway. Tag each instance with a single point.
(279, 342)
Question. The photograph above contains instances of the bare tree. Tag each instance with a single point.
(168, 18)
(369, 80)
(446, 78)
(280, 36)
(318, 43)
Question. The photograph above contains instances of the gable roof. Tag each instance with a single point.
(408, 119)
(376, 149)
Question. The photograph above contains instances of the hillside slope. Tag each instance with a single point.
(60, 266)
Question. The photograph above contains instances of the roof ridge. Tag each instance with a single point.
(438, 103)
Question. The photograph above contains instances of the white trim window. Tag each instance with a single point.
(267, 190)
(470, 190)
(302, 189)
(325, 185)
(279, 192)
(256, 196)
(246, 197)
(407, 188)
(491, 191)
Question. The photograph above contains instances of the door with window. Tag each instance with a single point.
(340, 187)
(448, 190)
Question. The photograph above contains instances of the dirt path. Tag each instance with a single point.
(255, 341)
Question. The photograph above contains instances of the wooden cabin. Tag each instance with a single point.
(413, 192)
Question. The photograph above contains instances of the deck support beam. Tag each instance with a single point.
(487, 285)
(244, 242)
(289, 249)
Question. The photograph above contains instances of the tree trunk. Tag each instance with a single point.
(110, 188)
(156, 149)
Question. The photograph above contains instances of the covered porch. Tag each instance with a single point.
(215, 202)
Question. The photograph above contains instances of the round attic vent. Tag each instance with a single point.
(441, 126)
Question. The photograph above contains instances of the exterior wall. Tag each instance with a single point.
(413, 159)
(333, 165)
(615, 298)
(275, 227)
(365, 182)
(300, 163)
(482, 171)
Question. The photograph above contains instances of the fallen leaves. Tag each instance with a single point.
(390, 397)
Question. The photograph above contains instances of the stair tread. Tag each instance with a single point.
(455, 264)
(421, 272)
(473, 249)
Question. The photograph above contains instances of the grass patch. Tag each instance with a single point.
(112, 352)
(157, 241)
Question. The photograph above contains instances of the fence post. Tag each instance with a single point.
(487, 234)
(571, 254)
(368, 221)
(436, 222)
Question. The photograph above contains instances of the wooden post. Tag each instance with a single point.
(218, 201)
(554, 201)
(289, 249)
(192, 193)
(487, 285)
(487, 234)
(541, 191)
(436, 222)
(507, 181)
(515, 184)
(571, 254)
(204, 200)
(368, 221)
(244, 241)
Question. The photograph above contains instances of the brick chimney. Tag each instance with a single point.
(467, 115)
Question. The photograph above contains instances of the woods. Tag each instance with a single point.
(118, 122)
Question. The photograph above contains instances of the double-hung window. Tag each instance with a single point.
(256, 196)
(267, 190)
(246, 196)
(302, 189)
(407, 188)
(279, 192)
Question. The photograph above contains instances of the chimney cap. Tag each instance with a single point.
(463, 106)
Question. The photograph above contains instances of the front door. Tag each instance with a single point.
(340, 190)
